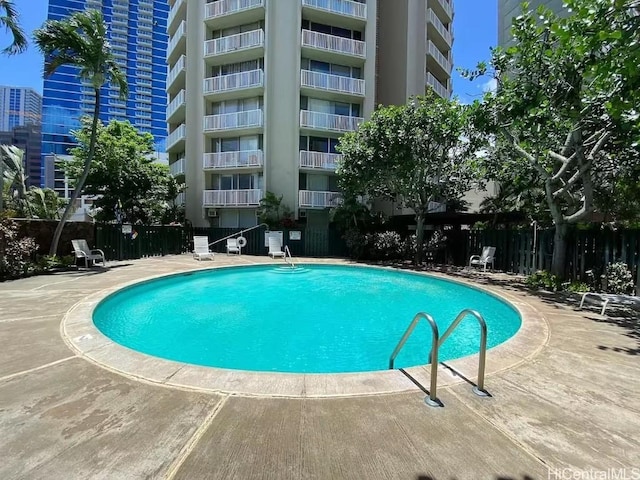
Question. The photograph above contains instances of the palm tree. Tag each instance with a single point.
(80, 41)
(14, 173)
(10, 22)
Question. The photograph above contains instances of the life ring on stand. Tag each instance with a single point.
(242, 242)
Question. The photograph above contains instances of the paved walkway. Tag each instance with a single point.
(572, 408)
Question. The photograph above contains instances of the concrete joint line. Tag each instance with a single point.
(57, 283)
(23, 319)
(503, 431)
(193, 441)
(35, 369)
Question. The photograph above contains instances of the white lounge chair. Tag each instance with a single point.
(275, 248)
(611, 298)
(232, 246)
(487, 257)
(201, 248)
(81, 250)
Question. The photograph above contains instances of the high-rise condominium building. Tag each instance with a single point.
(260, 91)
(138, 36)
(19, 106)
(509, 9)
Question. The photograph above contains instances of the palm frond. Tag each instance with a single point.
(10, 21)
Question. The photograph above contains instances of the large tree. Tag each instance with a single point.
(9, 20)
(566, 104)
(416, 154)
(81, 41)
(124, 176)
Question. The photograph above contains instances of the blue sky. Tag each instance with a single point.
(475, 29)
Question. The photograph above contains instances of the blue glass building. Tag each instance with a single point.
(138, 35)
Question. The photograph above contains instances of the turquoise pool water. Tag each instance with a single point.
(314, 319)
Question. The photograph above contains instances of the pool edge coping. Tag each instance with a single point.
(86, 341)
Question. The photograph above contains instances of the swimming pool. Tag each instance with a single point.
(312, 319)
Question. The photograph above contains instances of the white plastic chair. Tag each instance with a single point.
(487, 257)
(275, 248)
(201, 248)
(232, 246)
(81, 250)
(611, 298)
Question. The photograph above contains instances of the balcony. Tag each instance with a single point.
(324, 47)
(226, 13)
(328, 121)
(176, 108)
(176, 72)
(443, 7)
(443, 32)
(250, 83)
(177, 167)
(344, 13)
(176, 137)
(175, 13)
(251, 119)
(314, 199)
(175, 41)
(439, 58)
(434, 83)
(325, 85)
(233, 160)
(241, 46)
(319, 160)
(232, 198)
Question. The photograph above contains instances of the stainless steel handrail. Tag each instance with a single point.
(239, 233)
(288, 252)
(479, 388)
(432, 399)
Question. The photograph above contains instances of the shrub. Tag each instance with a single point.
(545, 280)
(618, 279)
(357, 243)
(15, 253)
(387, 245)
(578, 287)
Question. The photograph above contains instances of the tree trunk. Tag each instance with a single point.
(558, 261)
(419, 237)
(83, 178)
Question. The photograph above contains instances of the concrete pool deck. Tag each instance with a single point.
(566, 401)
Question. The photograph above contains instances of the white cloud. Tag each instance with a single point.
(490, 86)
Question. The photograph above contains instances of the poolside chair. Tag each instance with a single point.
(232, 246)
(81, 250)
(611, 298)
(487, 257)
(201, 248)
(275, 248)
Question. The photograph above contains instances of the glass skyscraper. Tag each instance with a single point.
(138, 35)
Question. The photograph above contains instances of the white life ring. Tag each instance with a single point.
(242, 242)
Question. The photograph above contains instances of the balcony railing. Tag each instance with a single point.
(173, 42)
(234, 81)
(437, 86)
(231, 198)
(332, 83)
(315, 199)
(227, 7)
(440, 58)
(174, 10)
(177, 167)
(241, 159)
(446, 6)
(178, 134)
(333, 43)
(319, 160)
(328, 121)
(232, 121)
(176, 103)
(435, 21)
(176, 70)
(233, 43)
(341, 7)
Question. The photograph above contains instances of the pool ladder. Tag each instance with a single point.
(287, 253)
(437, 341)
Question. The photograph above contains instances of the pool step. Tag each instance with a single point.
(290, 270)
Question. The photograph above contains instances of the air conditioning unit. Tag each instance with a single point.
(302, 214)
(212, 213)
